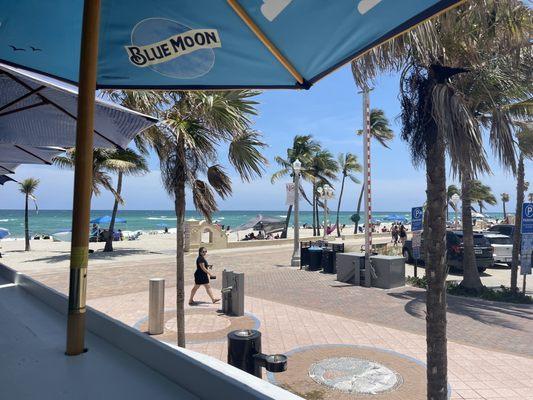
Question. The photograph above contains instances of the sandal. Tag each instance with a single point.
(192, 303)
(216, 301)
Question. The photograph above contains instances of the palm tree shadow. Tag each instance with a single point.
(486, 312)
(97, 255)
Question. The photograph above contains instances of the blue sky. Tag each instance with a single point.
(330, 111)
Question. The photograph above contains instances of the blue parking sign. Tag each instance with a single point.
(527, 218)
(417, 214)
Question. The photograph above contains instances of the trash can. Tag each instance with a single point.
(328, 261)
(315, 258)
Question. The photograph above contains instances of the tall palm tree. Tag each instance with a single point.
(437, 120)
(481, 194)
(195, 124)
(27, 188)
(505, 199)
(124, 162)
(348, 165)
(379, 130)
(452, 190)
(303, 147)
(322, 170)
(525, 151)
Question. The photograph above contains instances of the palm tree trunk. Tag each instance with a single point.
(520, 189)
(26, 226)
(471, 279)
(109, 242)
(339, 206)
(504, 212)
(179, 207)
(358, 212)
(287, 220)
(314, 206)
(437, 384)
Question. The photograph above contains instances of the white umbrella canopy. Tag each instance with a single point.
(36, 110)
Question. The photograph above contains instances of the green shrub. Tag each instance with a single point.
(503, 294)
(420, 282)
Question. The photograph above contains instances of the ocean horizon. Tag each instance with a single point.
(52, 221)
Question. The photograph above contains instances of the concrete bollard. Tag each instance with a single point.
(156, 306)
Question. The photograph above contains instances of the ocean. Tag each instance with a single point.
(52, 221)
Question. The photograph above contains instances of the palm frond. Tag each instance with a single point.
(219, 180)
(245, 155)
(203, 199)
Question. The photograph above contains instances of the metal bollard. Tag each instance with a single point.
(156, 306)
(244, 352)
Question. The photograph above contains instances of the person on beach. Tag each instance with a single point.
(201, 277)
(395, 234)
(403, 234)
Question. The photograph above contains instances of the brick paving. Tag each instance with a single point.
(489, 352)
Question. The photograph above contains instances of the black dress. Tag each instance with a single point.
(200, 277)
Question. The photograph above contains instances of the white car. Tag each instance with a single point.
(502, 246)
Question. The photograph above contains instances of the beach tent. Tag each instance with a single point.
(262, 223)
(196, 44)
(36, 110)
(4, 233)
(106, 219)
(395, 217)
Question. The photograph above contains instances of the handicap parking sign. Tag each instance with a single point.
(417, 214)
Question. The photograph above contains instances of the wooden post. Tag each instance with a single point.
(83, 175)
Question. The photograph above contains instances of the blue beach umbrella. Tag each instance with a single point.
(202, 44)
(4, 233)
(185, 44)
(106, 219)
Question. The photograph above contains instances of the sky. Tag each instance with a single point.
(331, 111)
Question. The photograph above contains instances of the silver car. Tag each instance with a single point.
(502, 246)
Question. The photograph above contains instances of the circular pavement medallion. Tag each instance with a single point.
(354, 375)
(200, 323)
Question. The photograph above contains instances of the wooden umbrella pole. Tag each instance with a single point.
(83, 175)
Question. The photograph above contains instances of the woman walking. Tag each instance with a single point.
(201, 277)
(403, 234)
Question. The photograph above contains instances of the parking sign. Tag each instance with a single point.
(417, 214)
(527, 218)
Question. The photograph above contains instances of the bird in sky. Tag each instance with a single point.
(16, 48)
(35, 48)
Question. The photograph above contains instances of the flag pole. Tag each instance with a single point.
(368, 188)
(83, 175)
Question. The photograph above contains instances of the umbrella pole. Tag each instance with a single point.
(82, 179)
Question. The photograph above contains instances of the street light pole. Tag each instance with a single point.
(297, 167)
(368, 188)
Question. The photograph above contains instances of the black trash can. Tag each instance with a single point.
(315, 258)
(328, 261)
(242, 346)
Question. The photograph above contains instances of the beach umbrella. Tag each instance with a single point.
(36, 110)
(106, 219)
(4, 233)
(5, 178)
(190, 44)
(262, 223)
(14, 153)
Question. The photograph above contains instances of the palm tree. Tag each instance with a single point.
(124, 162)
(505, 199)
(348, 165)
(530, 197)
(481, 194)
(525, 151)
(303, 146)
(381, 131)
(322, 170)
(27, 188)
(437, 120)
(452, 190)
(195, 123)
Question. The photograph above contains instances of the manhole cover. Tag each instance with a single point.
(200, 323)
(354, 375)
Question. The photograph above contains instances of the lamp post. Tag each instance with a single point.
(296, 168)
(455, 200)
(325, 193)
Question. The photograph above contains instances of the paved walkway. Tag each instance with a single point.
(490, 352)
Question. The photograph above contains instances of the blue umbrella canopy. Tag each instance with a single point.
(5, 178)
(4, 233)
(106, 219)
(202, 44)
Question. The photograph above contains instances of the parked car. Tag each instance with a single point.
(454, 250)
(502, 246)
(503, 229)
